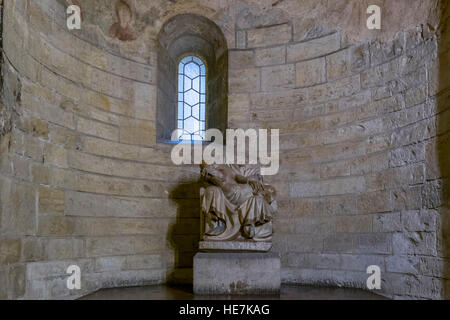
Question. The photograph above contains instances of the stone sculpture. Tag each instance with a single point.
(236, 204)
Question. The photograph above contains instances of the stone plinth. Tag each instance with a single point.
(235, 246)
(237, 273)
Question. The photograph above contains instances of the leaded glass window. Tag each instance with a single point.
(191, 99)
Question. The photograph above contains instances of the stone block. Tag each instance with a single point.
(60, 249)
(9, 251)
(310, 72)
(33, 249)
(270, 56)
(425, 221)
(373, 243)
(19, 216)
(16, 281)
(335, 90)
(416, 96)
(314, 225)
(98, 129)
(327, 187)
(354, 224)
(41, 174)
(338, 64)
(123, 151)
(269, 36)
(3, 283)
(416, 243)
(308, 27)
(314, 48)
(237, 273)
(339, 243)
(244, 80)
(241, 39)
(278, 77)
(51, 201)
(55, 155)
(239, 59)
(137, 262)
(389, 222)
(374, 202)
(285, 100)
(138, 132)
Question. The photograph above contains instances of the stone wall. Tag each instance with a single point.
(364, 138)
(358, 123)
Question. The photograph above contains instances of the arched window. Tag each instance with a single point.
(192, 79)
(191, 119)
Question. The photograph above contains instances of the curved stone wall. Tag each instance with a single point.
(84, 182)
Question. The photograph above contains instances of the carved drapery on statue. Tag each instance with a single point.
(236, 204)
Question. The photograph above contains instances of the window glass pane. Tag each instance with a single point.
(180, 84)
(186, 137)
(180, 111)
(197, 61)
(189, 124)
(181, 68)
(196, 112)
(192, 70)
(187, 83)
(192, 99)
(187, 111)
(196, 84)
(186, 60)
(202, 84)
(202, 112)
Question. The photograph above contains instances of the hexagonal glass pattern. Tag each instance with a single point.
(191, 99)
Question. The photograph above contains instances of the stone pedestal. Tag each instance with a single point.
(237, 273)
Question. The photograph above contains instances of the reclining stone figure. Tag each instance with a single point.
(236, 204)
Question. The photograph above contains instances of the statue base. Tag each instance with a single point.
(237, 273)
(235, 246)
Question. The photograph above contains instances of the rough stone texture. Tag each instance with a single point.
(237, 273)
(365, 143)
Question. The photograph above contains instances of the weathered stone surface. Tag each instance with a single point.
(278, 77)
(10, 250)
(338, 65)
(224, 246)
(270, 56)
(51, 201)
(313, 48)
(98, 129)
(363, 115)
(19, 211)
(244, 80)
(241, 59)
(237, 273)
(17, 281)
(311, 72)
(269, 36)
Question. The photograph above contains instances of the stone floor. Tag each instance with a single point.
(288, 292)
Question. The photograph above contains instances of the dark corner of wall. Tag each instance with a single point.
(443, 135)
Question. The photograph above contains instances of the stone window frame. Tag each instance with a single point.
(191, 35)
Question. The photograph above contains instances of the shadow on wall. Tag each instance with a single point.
(184, 234)
(443, 137)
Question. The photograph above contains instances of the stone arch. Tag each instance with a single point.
(196, 35)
